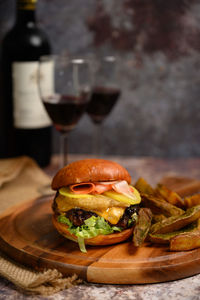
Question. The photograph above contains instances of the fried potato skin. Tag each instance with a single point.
(186, 241)
(192, 200)
(142, 226)
(177, 222)
(160, 206)
(169, 196)
(143, 187)
(158, 218)
(164, 238)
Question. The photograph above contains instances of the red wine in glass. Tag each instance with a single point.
(65, 111)
(102, 101)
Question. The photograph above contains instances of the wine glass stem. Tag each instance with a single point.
(64, 149)
(98, 138)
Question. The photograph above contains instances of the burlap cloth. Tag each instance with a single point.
(21, 180)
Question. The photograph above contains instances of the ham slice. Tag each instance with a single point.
(121, 187)
(107, 182)
(82, 188)
(89, 187)
(101, 188)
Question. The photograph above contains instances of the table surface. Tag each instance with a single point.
(152, 169)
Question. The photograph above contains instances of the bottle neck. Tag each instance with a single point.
(26, 12)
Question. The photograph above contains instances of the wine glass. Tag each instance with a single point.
(65, 93)
(105, 93)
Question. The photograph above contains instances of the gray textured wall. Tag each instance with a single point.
(159, 45)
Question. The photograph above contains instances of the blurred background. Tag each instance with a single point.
(158, 42)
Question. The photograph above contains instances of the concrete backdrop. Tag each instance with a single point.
(159, 44)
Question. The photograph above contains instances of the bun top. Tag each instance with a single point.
(89, 170)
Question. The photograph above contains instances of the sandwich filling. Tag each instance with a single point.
(91, 209)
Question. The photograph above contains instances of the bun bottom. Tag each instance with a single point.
(109, 239)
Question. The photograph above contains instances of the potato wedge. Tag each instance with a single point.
(160, 206)
(192, 200)
(143, 187)
(164, 238)
(168, 195)
(186, 241)
(177, 222)
(158, 218)
(142, 226)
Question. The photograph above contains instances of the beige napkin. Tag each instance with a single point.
(21, 180)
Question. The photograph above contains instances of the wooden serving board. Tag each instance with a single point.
(28, 236)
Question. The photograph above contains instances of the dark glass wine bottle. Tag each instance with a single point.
(26, 127)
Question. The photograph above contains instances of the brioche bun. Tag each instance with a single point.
(99, 240)
(89, 170)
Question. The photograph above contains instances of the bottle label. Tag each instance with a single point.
(26, 4)
(28, 109)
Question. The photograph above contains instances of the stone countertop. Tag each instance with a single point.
(188, 289)
(152, 169)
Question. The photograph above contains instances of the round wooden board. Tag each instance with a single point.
(28, 236)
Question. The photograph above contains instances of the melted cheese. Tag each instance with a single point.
(111, 214)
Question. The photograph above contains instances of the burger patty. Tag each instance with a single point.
(77, 216)
(129, 212)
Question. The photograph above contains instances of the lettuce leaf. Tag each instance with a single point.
(92, 227)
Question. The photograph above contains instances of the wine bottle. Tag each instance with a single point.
(26, 127)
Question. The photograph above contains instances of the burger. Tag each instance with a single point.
(95, 203)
